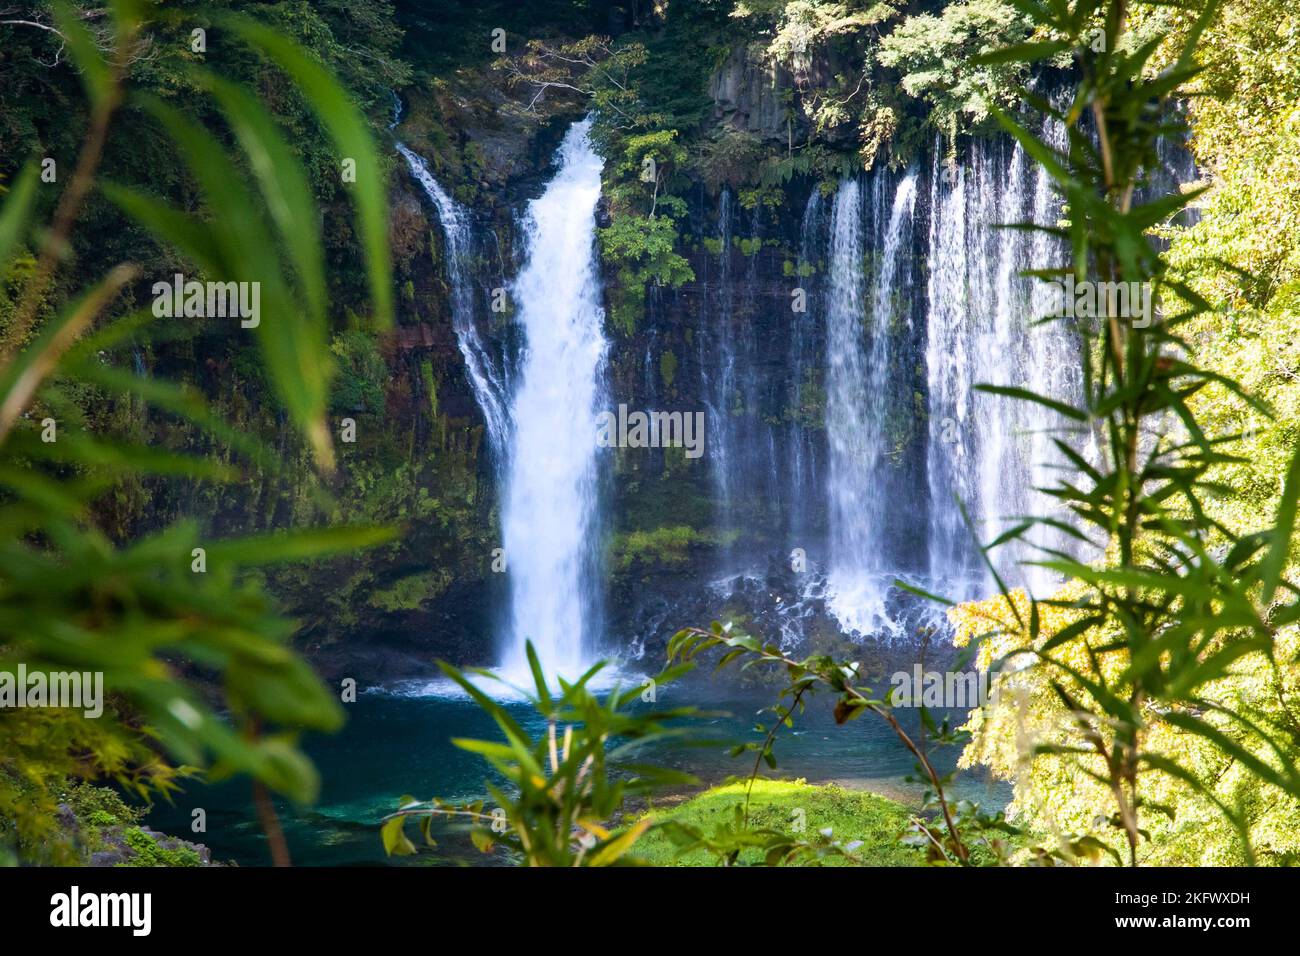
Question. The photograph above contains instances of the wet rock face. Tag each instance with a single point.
(459, 626)
(753, 94)
(747, 93)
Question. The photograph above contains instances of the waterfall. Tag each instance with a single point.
(846, 404)
(858, 401)
(722, 383)
(549, 512)
(802, 463)
(486, 380)
(989, 451)
(1055, 368)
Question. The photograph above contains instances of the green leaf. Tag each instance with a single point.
(300, 545)
(612, 850)
(1069, 411)
(1284, 528)
(283, 186)
(95, 75)
(351, 137)
(1021, 53)
(15, 212)
(21, 377)
(393, 833)
(295, 349)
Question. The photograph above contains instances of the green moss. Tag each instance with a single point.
(626, 302)
(149, 853)
(811, 410)
(408, 593)
(676, 464)
(430, 387)
(89, 802)
(362, 373)
(667, 367)
(783, 805)
(664, 546)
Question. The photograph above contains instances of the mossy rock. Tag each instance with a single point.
(408, 593)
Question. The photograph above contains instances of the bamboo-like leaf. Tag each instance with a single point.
(539, 678)
(95, 76)
(15, 212)
(1225, 743)
(1069, 411)
(283, 186)
(1283, 530)
(298, 545)
(921, 593)
(1021, 53)
(294, 349)
(179, 399)
(193, 239)
(610, 852)
(20, 379)
(351, 137)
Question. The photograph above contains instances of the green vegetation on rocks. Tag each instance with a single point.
(851, 816)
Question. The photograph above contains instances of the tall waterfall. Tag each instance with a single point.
(985, 450)
(913, 299)
(803, 340)
(721, 372)
(858, 400)
(486, 378)
(549, 513)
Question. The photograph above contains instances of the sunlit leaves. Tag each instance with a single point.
(1178, 604)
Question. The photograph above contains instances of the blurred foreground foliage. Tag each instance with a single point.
(195, 656)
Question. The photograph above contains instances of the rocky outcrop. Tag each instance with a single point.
(750, 94)
(143, 846)
(754, 94)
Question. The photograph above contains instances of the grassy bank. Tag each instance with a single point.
(781, 804)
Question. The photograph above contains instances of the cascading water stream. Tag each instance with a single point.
(803, 339)
(550, 509)
(485, 378)
(858, 402)
(845, 404)
(989, 451)
(722, 377)
(986, 450)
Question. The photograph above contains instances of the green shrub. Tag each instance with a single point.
(149, 853)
